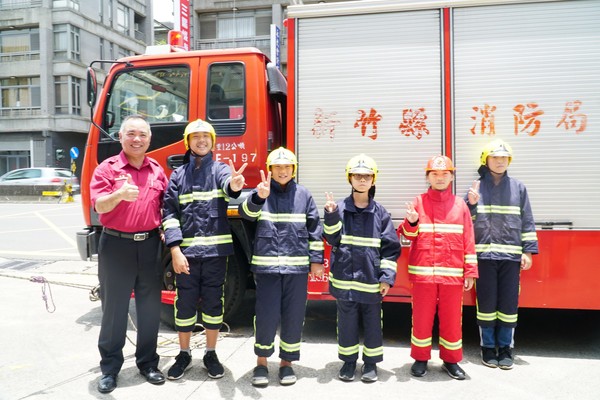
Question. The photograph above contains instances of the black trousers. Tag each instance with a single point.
(125, 265)
(349, 315)
(280, 299)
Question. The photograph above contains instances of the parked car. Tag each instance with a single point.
(40, 176)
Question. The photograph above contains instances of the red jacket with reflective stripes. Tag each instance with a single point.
(443, 243)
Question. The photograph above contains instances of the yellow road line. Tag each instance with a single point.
(57, 230)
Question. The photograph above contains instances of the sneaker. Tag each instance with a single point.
(347, 372)
(212, 364)
(260, 376)
(505, 358)
(454, 371)
(489, 357)
(286, 375)
(369, 373)
(419, 369)
(183, 361)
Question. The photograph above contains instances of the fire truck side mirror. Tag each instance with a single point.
(92, 87)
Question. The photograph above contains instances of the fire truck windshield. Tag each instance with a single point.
(159, 94)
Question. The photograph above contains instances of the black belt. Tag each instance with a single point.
(138, 236)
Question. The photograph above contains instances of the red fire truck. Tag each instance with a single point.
(399, 81)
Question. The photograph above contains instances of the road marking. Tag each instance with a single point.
(57, 229)
(46, 253)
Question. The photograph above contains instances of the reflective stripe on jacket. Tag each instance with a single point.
(195, 209)
(443, 245)
(503, 220)
(288, 230)
(365, 250)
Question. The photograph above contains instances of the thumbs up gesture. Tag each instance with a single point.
(473, 194)
(129, 191)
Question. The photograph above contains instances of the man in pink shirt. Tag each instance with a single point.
(127, 191)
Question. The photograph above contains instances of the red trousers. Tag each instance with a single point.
(447, 300)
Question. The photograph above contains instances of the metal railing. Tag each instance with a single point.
(261, 42)
(20, 56)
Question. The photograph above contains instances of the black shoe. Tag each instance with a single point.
(419, 369)
(454, 371)
(489, 357)
(153, 375)
(183, 361)
(286, 376)
(260, 376)
(348, 371)
(212, 364)
(369, 372)
(505, 358)
(107, 383)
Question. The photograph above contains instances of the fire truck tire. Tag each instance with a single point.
(235, 289)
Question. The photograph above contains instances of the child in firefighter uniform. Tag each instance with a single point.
(288, 245)
(505, 239)
(199, 238)
(364, 254)
(441, 264)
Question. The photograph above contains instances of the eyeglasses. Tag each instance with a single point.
(360, 177)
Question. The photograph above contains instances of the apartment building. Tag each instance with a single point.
(45, 47)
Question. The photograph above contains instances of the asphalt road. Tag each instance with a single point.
(53, 355)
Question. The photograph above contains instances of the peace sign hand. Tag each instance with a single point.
(473, 194)
(330, 205)
(237, 179)
(411, 214)
(263, 189)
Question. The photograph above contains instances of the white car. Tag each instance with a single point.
(40, 176)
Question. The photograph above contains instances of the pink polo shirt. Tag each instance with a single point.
(141, 215)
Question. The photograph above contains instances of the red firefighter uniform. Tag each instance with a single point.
(442, 255)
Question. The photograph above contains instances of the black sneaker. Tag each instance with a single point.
(183, 361)
(489, 357)
(347, 372)
(369, 373)
(212, 364)
(454, 371)
(505, 358)
(419, 369)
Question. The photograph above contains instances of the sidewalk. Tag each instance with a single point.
(54, 356)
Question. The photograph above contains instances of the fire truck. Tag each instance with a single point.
(401, 82)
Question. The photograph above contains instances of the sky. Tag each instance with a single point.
(163, 10)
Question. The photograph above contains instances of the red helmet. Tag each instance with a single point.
(439, 163)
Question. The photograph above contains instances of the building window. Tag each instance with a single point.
(122, 52)
(13, 159)
(20, 96)
(74, 4)
(229, 25)
(67, 95)
(123, 18)
(19, 45)
(66, 42)
(101, 48)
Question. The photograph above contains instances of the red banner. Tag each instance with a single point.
(182, 20)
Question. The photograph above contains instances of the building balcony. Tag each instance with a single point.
(24, 56)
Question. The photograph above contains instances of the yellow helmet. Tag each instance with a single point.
(282, 156)
(362, 164)
(498, 148)
(199, 126)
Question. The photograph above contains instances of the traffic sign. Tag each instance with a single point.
(74, 152)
